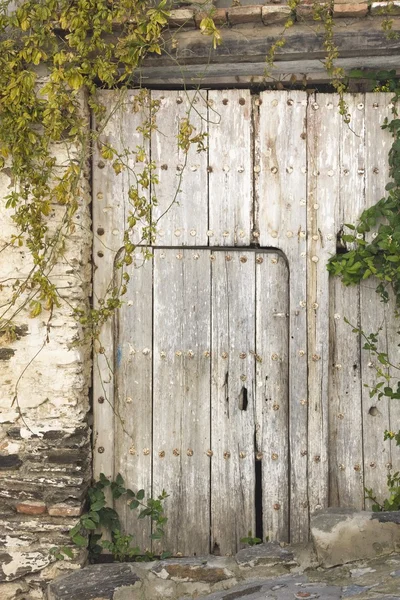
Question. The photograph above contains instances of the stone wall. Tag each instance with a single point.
(45, 448)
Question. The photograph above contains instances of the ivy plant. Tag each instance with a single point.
(375, 252)
(99, 515)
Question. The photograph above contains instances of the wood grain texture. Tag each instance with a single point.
(281, 220)
(247, 44)
(253, 72)
(345, 386)
(232, 399)
(272, 391)
(230, 166)
(181, 401)
(377, 454)
(182, 192)
(211, 412)
(109, 214)
(323, 121)
(133, 394)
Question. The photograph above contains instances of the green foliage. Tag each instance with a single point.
(99, 515)
(391, 503)
(375, 252)
(250, 540)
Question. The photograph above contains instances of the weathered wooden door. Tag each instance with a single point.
(230, 376)
(202, 393)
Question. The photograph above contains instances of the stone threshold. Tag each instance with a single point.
(266, 571)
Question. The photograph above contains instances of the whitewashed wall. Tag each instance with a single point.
(45, 455)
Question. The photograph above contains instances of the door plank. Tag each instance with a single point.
(133, 394)
(232, 399)
(272, 391)
(181, 400)
(323, 122)
(345, 411)
(230, 168)
(109, 219)
(182, 192)
(377, 454)
(281, 219)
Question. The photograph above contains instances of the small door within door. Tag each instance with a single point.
(201, 372)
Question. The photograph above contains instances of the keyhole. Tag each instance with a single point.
(243, 399)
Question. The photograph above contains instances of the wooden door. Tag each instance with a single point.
(202, 394)
(238, 390)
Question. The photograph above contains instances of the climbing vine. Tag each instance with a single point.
(375, 252)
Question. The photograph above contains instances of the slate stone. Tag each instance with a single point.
(95, 581)
(387, 516)
(10, 461)
(193, 569)
(6, 353)
(265, 555)
(354, 590)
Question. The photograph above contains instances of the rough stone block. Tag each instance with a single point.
(351, 10)
(345, 535)
(206, 570)
(239, 15)
(390, 8)
(97, 582)
(219, 16)
(63, 509)
(9, 462)
(181, 17)
(31, 508)
(272, 15)
(305, 11)
(267, 555)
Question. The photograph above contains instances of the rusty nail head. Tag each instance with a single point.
(100, 400)
(100, 231)
(357, 468)
(189, 452)
(100, 254)
(227, 455)
(242, 454)
(175, 452)
(277, 506)
(179, 100)
(317, 458)
(101, 164)
(242, 101)
(275, 406)
(161, 454)
(209, 452)
(259, 456)
(100, 449)
(243, 259)
(259, 260)
(274, 456)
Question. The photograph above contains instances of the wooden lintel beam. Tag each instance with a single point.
(361, 43)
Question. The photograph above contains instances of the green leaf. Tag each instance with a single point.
(140, 495)
(119, 480)
(96, 506)
(88, 524)
(80, 541)
(67, 551)
(134, 504)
